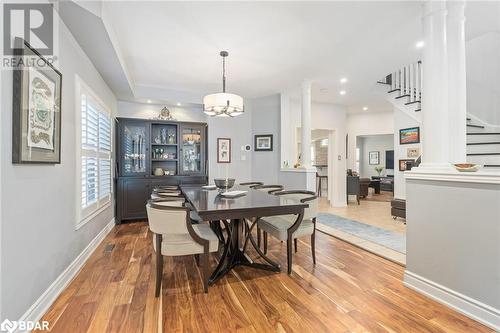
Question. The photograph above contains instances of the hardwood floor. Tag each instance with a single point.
(349, 290)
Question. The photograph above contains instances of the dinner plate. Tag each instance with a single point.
(232, 194)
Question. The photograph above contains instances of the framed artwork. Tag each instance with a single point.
(409, 135)
(223, 150)
(405, 165)
(374, 158)
(36, 118)
(264, 142)
(413, 152)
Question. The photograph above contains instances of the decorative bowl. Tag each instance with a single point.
(224, 184)
(467, 167)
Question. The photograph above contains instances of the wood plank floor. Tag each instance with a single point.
(349, 290)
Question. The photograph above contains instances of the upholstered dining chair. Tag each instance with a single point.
(269, 189)
(175, 235)
(193, 215)
(252, 184)
(288, 227)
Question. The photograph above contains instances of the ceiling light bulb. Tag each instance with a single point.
(365, 108)
(149, 101)
(342, 92)
(178, 104)
(420, 44)
(343, 80)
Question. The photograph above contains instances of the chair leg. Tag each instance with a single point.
(295, 244)
(159, 265)
(258, 237)
(357, 198)
(313, 246)
(197, 259)
(289, 254)
(205, 272)
(265, 242)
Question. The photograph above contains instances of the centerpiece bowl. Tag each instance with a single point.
(224, 184)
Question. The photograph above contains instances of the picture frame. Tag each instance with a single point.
(403, 164)
(409, 135)
(223, 150)
(263, 142)
(36, 108)
(374, 158)
(413, 152)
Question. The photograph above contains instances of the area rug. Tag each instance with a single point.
(390, 239)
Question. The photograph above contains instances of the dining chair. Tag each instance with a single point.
(193, 215)
(269, 189)
(175, 235)
(252, 184)
(288, 227)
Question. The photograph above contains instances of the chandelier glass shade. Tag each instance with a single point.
(223, 104)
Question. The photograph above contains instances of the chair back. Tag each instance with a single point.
(307, 197)
(269, 188)
(167, 217)
(353, 185)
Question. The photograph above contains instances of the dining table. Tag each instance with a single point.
(236, 217)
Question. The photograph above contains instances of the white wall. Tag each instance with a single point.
(402, 120)
(380, 143)
(38, 214)
(265, 113)
(483, 73)
(366, 123)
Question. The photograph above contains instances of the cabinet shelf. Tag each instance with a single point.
(164, 160)
(165, 144)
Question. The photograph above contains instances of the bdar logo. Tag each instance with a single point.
(8, 326)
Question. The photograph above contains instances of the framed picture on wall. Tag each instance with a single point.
(413, 152)
(374, 158)
(405, 165)
(409, 135)
(36, 111)
(223, 150)
(264, 142)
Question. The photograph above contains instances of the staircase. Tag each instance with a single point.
(404, 90)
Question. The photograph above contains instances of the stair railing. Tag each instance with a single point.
(408, 80)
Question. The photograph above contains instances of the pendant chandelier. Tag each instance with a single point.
(223, 104)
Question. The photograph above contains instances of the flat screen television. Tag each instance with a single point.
(389, 159)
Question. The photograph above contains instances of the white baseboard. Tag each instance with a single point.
(42, 304)
(472, 308)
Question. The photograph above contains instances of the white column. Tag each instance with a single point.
(306, 124)
(457, 94)
(435, 149)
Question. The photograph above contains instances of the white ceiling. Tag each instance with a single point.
(170, 50)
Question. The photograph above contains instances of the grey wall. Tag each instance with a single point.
(379, 143)
(38, 237)
(265, 113)
(453, 236)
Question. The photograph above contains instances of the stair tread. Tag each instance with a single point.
(483, 154)
(383, 83)
(413, 102)
(418, 110)
(393, 90)
(398, 97)
(475, 126)
(483, 143)
(484, 133)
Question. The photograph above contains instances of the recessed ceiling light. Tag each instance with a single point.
(419, 44)
(178, 104)
(343, 80)
(365, 108)
(149, 101)
(342, 92)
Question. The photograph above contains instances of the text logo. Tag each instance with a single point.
(32, 22)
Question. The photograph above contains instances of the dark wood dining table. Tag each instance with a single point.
(239, 216)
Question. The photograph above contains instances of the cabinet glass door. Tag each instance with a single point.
(134, 148)
(192, 149)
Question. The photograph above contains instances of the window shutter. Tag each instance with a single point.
(104, 178)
